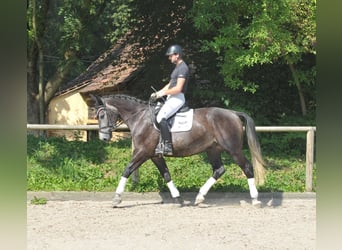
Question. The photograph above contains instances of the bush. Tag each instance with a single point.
(55, 164)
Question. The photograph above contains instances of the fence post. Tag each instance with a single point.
(310, 138)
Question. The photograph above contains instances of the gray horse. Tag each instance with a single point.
(214, 130)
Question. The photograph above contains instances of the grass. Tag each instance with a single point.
(38, 201)
(55, 164)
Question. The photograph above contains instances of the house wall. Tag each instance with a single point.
(68, 109)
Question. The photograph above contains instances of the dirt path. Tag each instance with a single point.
(148, 224)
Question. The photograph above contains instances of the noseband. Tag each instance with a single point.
(111, 126)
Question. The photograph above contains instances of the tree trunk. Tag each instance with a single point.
(39, 11)
(57, 79)
(40, 95)
(41, 86)
(300, 91)
(32, 90)
(37, 40)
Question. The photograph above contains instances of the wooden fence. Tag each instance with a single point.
(310, 140)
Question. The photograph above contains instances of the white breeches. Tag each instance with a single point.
(171, 106)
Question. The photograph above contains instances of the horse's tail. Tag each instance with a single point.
(254, 146)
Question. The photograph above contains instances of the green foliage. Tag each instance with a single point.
(38, 201)
(77, 30)
(120, 20)
(284, 144)
(276, 103)
(250, 44)
(245, 35)
(55, 164)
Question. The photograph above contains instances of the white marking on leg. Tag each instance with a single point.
(252, 188)
(256, 203)
(173, 190)
(121, 187)
(199, 198)
(205, 188)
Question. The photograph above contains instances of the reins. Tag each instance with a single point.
(151, 109)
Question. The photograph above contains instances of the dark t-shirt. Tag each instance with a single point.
(180, 71)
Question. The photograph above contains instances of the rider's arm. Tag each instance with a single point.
(176, 89)
(165, 88)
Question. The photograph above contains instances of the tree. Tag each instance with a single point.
(63, 39)
(246, 34)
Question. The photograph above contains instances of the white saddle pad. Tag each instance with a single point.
(183, 121)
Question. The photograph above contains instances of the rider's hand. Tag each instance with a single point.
(157, 95)
(153, 97)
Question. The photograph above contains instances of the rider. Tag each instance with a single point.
(175, 91)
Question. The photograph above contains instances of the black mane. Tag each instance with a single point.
(126, 97)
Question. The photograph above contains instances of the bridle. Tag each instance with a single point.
(110, 126)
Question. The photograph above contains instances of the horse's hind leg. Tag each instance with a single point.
(247, 169)
(218, 170)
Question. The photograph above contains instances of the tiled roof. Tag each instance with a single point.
(116, 66)
(124, 61)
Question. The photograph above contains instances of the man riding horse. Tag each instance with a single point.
(175, 92)
(213, 130)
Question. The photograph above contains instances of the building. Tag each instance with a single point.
(111, 73)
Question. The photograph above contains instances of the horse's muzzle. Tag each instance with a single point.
(104, 137)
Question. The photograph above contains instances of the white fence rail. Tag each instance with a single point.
(310, 140)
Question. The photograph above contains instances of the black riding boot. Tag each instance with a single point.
(165, 143)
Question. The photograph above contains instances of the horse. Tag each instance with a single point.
(214, 130)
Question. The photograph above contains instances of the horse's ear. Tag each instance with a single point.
(97, 99)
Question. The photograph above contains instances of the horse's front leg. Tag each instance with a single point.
(165, 173)
(130, 168)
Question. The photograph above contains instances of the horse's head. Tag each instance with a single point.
(107, 117)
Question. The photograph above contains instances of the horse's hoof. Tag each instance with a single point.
(178, 201)
(256, 203)
(117, 200)
(199, 199)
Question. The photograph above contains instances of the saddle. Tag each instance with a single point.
(179, 122)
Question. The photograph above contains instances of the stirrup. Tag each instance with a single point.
(168, 148)
(164, 149)
(159, 149)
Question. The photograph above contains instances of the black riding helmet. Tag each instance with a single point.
(174, 49)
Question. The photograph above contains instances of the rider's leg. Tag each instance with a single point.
(166, 139)
(172, 104)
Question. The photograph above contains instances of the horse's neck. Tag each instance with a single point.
(129, 110)
(130, 113)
